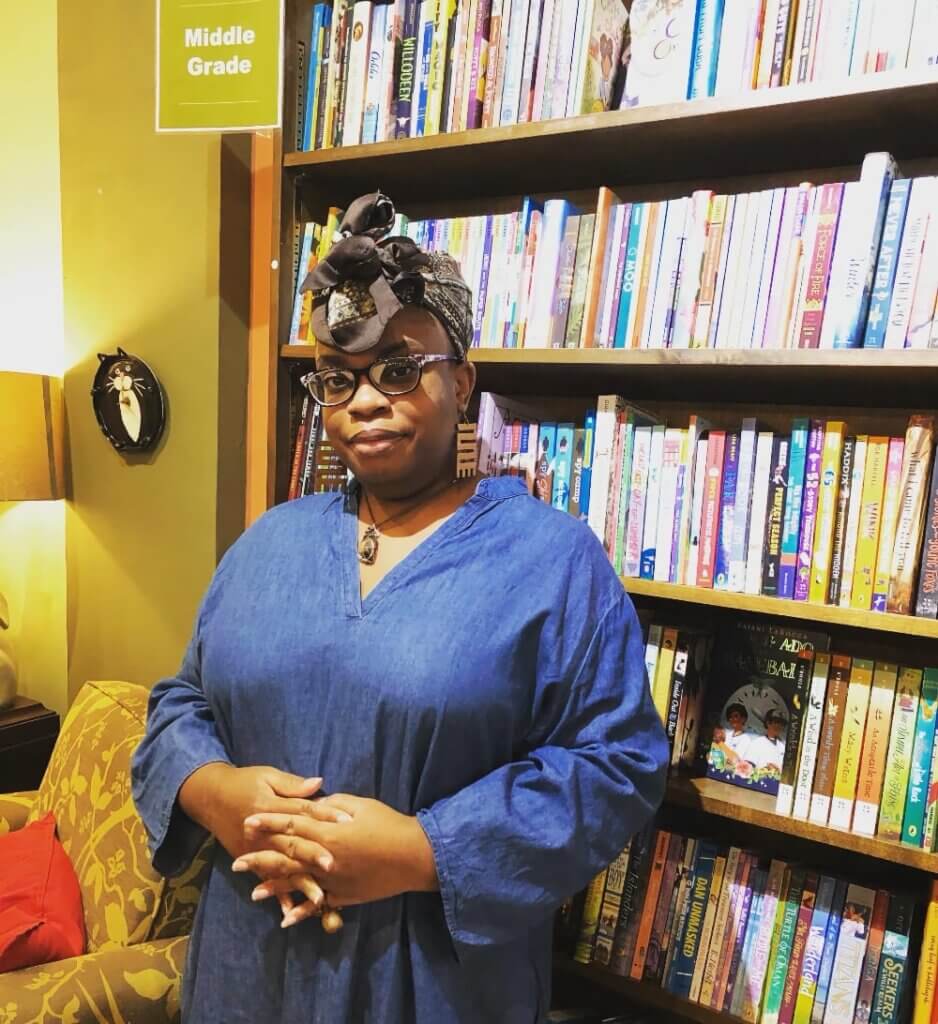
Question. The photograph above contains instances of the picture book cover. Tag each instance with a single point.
(757, 694)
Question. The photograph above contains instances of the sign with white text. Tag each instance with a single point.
(219, 65)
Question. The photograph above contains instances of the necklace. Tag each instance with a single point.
(368, 545)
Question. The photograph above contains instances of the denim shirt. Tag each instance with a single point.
(492, 683)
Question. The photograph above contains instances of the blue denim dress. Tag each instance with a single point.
(492, 683)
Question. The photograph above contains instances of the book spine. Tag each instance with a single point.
(888, 522)
(812, 482)
(829, 742)
(874, 482)
(851, 535)
(650, 529)
(893, 983)
(407, 69)
(830, 949)
(636, 514)
(743, 506)
(751, 896)
(706, 933)
(711, 508)
(813, 952)
(765, 447)
(373, 74)
(875, 744)
(672, 867)
(917, 459)
(828, 497)
(777, 486)
(887, 263)
(786, 922)
(788, 559)
(703, 314)
(650, 904)
(725, 902)
(913, 822)
(840, 520)
(811, 737)
(874, 949)
(607, 915)
(689, 935)
(851, 949)
(591, 908)
(921, 201)
(851, 743)
(926, 981)
(724, 547)
(926, 601)
(479, 66)
(820, 265)
(497, 25)
(623, 946)
(785, 797)
(899, 757)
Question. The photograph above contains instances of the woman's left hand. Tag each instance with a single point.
(375, 854)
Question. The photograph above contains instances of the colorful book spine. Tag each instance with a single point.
(743, 502)
(851, 949)
(608, 913)
(788, 561)
(899, 757)
(706, 935)
(926, 600)
(820, 265)
(829, 743)
(811, 737)
(871, 504)
(828, 496)
(853, 521)
(813, 952)
(885, 275)
(913, 822)
(778, 481)
(710, 513)
(875, 745)
(591, 908)
(795, 962)
(851, 744)
(889, 520)
(874, 950)
(892, 981)
(914, 235)
(916, 468)
(727, 896)
(721, 569)
(830, 948)
(812, 484)
(688, 936)
(788, 910)
(840, 520)
(669, 878)
(926, 981)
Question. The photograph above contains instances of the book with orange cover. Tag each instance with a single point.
(594, 281)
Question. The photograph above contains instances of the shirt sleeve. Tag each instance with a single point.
(180, 737)
(511, 846)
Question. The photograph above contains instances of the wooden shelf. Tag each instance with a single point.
(831, 124)
(907, 625)
(738, 804)
(848, 377)
(642, 993)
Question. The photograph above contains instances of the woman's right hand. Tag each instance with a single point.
(219, 797)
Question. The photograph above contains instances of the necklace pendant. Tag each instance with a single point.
(368, 546)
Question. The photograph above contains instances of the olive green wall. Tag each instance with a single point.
(32, 534)
(141, 259)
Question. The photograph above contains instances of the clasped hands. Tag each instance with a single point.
(338, 851)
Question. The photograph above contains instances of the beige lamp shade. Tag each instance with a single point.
(31, 452)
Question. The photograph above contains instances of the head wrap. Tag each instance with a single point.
(366, 278)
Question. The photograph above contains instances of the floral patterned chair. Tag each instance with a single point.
(137, 923)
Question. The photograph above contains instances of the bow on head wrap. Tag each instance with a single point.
(366, 278)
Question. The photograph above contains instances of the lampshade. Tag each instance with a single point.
(31, 453)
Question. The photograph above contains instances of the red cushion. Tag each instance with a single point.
(41, 917)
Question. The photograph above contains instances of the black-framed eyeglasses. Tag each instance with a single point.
(392, 375)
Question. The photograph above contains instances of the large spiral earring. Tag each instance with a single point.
(467, 449)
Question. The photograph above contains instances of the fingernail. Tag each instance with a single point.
(288, 920)
(259, 894)
(312, 782)
(239, 865)
(324, 862)
(252, 822)
(342, 816)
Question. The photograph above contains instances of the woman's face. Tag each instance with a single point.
(397, 445)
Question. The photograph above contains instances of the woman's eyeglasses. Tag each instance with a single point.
(393, 375)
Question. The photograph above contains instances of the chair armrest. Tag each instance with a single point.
(137, 983)
(14, 809)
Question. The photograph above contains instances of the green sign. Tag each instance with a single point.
(219, 64)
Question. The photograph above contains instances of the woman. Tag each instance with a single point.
(475, 708)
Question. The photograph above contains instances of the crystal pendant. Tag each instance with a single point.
(368, 547)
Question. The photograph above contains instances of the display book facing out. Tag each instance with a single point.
(798, 871)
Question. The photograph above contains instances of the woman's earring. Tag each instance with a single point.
(467, 451)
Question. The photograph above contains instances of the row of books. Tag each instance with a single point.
(841, 741)
(370, 71)
(840, 265)
(727, 47)
(315, 466)
(813, 513)
(766, 940)
(374, 71)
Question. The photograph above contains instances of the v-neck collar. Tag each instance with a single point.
(487, 490)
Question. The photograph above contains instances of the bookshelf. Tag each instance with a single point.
(775, 133)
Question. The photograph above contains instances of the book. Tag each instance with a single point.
(828, 497)
(607, 915)
(854, 508)
(916, 467)
(875, 744)
(809, 506)
(811, 735)
(892, 982)
(899, 756)
(841, 518)
(829, 742)
(659, 74)
(913, 821)
(890, 518)
(927, 979)
(851, 949)
(887, 263)
(591, 908)
(874, 949)
(851, 743)
(829, 950)
(688, 935)
(926, 600)
(788, 559)
(758, 689)
(874, 483)
(813, 952)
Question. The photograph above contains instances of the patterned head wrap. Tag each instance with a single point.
(367, 278)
